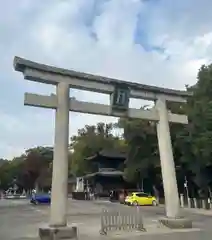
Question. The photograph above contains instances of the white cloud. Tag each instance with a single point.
(99, 36)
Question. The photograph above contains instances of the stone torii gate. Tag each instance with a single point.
(120, 93)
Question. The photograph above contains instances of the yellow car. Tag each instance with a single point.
(140, 199)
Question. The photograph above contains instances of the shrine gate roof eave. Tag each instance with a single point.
(21, 64)
(104, 174)
(109, 154)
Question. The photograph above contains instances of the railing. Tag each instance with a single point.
(125, 219)
(17, 196)
(195, 203)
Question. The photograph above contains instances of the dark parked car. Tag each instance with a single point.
(118, 195)
(41, 198)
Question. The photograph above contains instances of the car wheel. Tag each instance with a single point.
(154, 203)
(35, 202)
(135, 203)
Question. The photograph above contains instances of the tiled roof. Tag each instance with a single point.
(109, 153)
(106, 173)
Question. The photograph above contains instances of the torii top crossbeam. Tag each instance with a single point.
(84, 81)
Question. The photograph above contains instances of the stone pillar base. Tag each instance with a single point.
(176, 223)
(57, 233)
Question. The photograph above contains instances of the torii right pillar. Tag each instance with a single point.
(173, 218)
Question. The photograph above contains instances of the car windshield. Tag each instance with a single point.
(141, 194)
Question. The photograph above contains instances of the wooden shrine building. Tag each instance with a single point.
(109, 172)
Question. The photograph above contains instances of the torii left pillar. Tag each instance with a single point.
(58, 228)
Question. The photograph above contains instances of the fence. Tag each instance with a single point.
(124, 219)
(195, 203)
(14, 196)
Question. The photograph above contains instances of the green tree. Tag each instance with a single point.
(143, 161)
(10, 170)
(140, 137)
(198, 140)
(90, 140)
(37, 166)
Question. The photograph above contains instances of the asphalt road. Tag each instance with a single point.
(19, 220)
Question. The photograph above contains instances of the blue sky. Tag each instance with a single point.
(158, 42)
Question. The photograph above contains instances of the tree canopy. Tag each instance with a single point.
(28, 170)
(89, 141)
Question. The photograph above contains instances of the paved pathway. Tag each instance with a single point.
(13, 202)
(20, 221)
